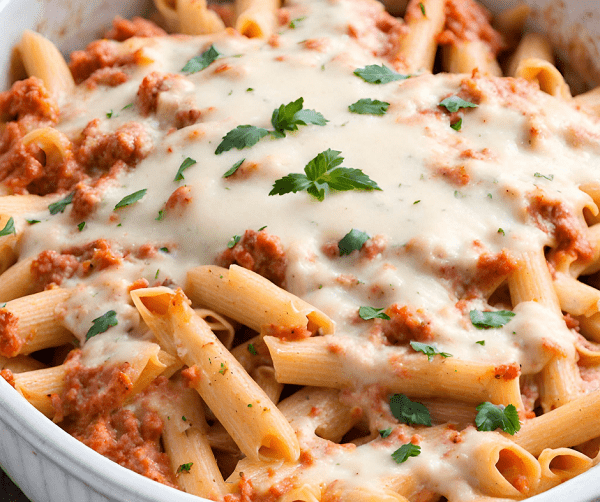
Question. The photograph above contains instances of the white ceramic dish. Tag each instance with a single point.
(47, 463)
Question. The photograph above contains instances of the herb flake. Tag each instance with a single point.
(352, 241)
(131, 199)
(374, 74)
(487, 320)
(368, 313)
(61, 205)
(243, 136)
(429, 350)
(405, 451)
(202, 61)
(233, 168)
(409, 412)
(454, 103)
(369, 106)
(101, 324)
(491, 417)
(184, 165)
(9, 228)
(289, 117)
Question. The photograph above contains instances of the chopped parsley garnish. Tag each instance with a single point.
(549, 177)
(33, 222)
(416, 202)
(289, 117)
(81, 226)
(501, 231)
(131, 199)
(185, 467)
(409, 412)
(202, 61)
(183, 418)
(101, 324)
(61, 205)
(161, 215)
(492, 417)
(454, 103)
(252, 349)
(130, 105)
(223, 369)
(184, 165)
(323, 173)
(422, 7)
(406, 450)
(157, 272)
(374, 74)
(429, 350)
(249, 405)
(352, 241)
(164, 250)
(9, 228)
(297, 20)
(233, 241)
(368, 313)
(457, 125)
(233, 168)
(385, 432)
(109, 114)
(243, 136)
(480, 342)
(369, 106)
(486, 320)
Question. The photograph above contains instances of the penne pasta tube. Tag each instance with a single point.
(187, 445)
(561, 464)
(575, 297)
(195, 18)
(304, 493)
(20, 364)
(466, 56)
(314, 361)
(417, 48)
(532, 45)
(17, 205)
(220, 439)
(250, 417)
(8, 244)
(168, 12)
(532, 281)
(341, 491)
(252, 300)
(590, 326)
(56, 146)
(560, 382)
(16, 281)
(252, 354)
(43, 60)
(37, 387)
(545, 75)
(264, 376)
(510, 22)
(219, 326)
(589, 101)
(30, 323)
(548, 430)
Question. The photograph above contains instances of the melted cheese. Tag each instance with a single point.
(427, 221)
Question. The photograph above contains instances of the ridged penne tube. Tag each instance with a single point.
(466, 56)
(461, 414)
(37, 387)
(560, 382)
(417, 48)
(575, 297)
(532, 281)
(30, 323)
(304, 493)
(561, 464)
(504, 469)
(219, 438)
(16, 205)
(331, 418)
(548, 430)
(317, 361)
(219, 326)
(264, 376)
(589, 355)
(158, 363)
(42, 59)
(187, 445)
(20, 364)
(168, 11)
(532, 45)
(546, 75)
(350, 493)
(16, 281)
(590, 326)
(8, 244)
(252, 354)
(510, 22)
(196, 19)
(252, 420)
(55, 144)
(259, 20)
(251, 299)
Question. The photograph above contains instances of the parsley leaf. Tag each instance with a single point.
(184, 165)
(480, 342)
(429, 350)
(550, 177)
(101, 324)
(202, 61)
(352, 241)
(457, 125)
(185, 467)
(289, 117)
(486, 320)
(374, 74)
(9, 228)
(368, 313)
(406, 450)
(233, 241)
(131, 198)
(385, 432)
(369, 106)
(409, 412)
(252, 349)
(233, 168)
(243, 136)
(422, 7)
(33, 222)
(492, 417)
(323, 173)
(161, 215)
(297, 20)
(81, 226)
(61, 205)
(454, 103)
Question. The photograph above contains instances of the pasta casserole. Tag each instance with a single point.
(307, 252)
